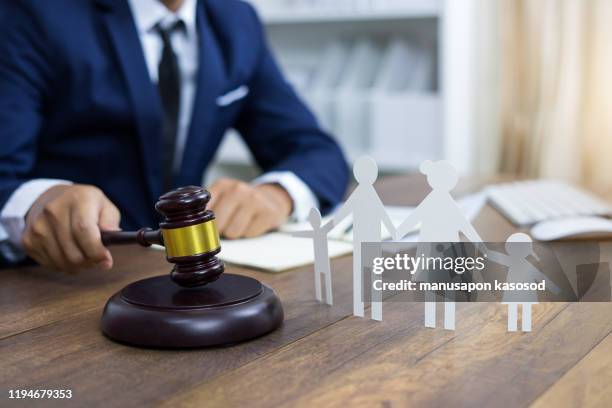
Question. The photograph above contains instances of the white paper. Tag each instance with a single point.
(276, 252)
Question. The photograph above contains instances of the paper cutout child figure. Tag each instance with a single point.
(321, 253)
(520, 270)
(368, 215)
(441, 220)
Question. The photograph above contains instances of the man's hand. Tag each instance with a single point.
(245, 211)
(63, 228)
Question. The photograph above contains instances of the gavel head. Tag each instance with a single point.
(190, 236)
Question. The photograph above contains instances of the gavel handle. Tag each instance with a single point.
(144, 236)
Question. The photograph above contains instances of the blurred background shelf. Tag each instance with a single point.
(336, 12)
(383, 76)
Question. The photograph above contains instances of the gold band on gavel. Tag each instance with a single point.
(192, 240)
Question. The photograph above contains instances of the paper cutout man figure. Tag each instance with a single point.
(321, 253)
(520, 270)
(441, 220)
(368, 215)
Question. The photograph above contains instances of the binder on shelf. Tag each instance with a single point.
(332, 66)
(353, 94)
(403, 107)
(405, 66)
(321, 94)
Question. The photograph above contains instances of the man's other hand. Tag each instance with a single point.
(63, 228)
(246, 211)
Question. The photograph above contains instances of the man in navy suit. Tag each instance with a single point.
(106, 104)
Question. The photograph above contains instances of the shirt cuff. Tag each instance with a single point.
(12, 217)
(302, 196)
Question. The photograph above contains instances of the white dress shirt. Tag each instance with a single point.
(147, 14)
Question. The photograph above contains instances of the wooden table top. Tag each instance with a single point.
(321, 356)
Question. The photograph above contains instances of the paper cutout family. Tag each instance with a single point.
(439, 218)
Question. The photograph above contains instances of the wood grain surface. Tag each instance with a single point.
(322, 356)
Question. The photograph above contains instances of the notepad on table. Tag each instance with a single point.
(276, 252)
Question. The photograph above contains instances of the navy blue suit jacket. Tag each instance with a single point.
(77, 103)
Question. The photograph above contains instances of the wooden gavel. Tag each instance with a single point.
(188, 233)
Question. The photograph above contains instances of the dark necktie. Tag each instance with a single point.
(169, 87)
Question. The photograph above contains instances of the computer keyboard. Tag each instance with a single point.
(528, 202)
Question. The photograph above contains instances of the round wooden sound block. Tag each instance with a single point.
(156, 312)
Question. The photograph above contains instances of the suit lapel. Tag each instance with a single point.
(210, 82)
(145, 101)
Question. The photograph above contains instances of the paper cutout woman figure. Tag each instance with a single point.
(441, 220)
(321, 253)
(520, 270)
(368, 215)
